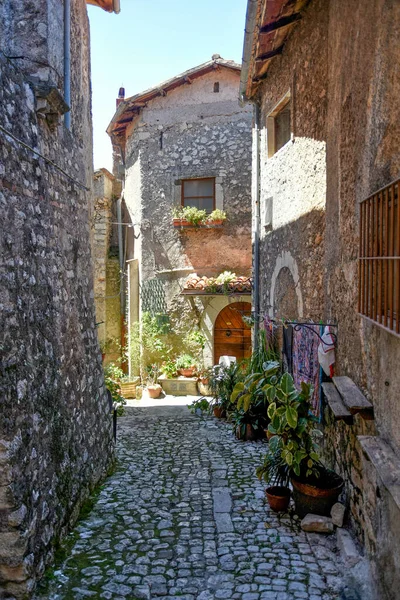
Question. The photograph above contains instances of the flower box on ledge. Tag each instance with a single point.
(207, 225)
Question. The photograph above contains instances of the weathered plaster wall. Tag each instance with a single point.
(363, 124)
(342, 61)
(191, 132)
(55, 430)
(293, 180)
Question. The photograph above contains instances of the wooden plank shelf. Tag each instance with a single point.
(340, 412)
(353, 397)
(385, 461)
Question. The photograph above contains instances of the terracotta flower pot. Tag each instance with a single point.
(316, 500)
(154, 391)
(278, 497)
(249, 434)
(219, 412)
(189, 372)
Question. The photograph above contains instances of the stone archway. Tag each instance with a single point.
(285, 295)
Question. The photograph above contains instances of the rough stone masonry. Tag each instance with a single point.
(55, 429)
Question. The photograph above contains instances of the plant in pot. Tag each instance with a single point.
(200, 406)
(275, 472)
(246, 425)
(186, 365)
(295, 436)
(153, 388)
(222, 381)
(217, 217)
(250, 398)
(168, 368)
(112, 375)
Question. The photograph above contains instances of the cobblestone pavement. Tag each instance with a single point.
(184, 517)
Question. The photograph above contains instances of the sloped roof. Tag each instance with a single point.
(196, 285)
(268, 25)
(108, 5)
(130, 107)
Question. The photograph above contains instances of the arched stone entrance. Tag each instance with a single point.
(232, 336)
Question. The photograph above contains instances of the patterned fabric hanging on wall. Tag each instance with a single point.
(305, 362)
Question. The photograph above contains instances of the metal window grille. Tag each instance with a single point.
(379, 258)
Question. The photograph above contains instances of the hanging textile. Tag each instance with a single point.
(287, 349)
(326, 352)
(305, 362)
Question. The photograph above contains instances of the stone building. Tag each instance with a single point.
(187, 142)
(55, 429)
(324, 78)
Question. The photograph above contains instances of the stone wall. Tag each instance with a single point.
(293, 180)
(191, 132)
(55, 427)
(341, 64)
(107, 276)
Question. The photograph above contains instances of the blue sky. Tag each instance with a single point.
(153, 40)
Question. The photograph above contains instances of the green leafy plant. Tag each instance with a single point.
(241, 419)
(185, 361)
(152, 374)
(222, 381)
(293, 427)
(191, 214)
(112, 377)
(217, 215)
(273, 470)
(252, 393)
(201, 404)
(169, 369)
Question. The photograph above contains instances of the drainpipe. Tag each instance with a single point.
(121, 252)
(67, 61)
(256, 262)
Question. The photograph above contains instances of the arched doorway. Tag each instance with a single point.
(232, 336)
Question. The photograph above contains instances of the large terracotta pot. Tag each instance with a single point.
(154, 391)
(278, 497)
(316, 500)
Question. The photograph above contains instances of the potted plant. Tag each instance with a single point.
(153, 388)
(199, 406)
(275, 473)
(111, 380)
(222, 381)
(217, 217)
(315, 488)
(186, 365)
(168, 368)
(246, 425)
(250, 400)
(185, 216)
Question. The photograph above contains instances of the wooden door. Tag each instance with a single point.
(232, 336)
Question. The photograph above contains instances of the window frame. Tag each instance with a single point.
(379, 258)
(271, 124)
(183, 181)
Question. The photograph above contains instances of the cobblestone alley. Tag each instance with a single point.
(184, 516)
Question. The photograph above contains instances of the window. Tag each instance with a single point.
(379, 258)
(279, 126)
(199, 193)
(216, 87)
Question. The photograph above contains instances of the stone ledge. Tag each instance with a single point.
(340, 412)
(353, 397)
(385, 461)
